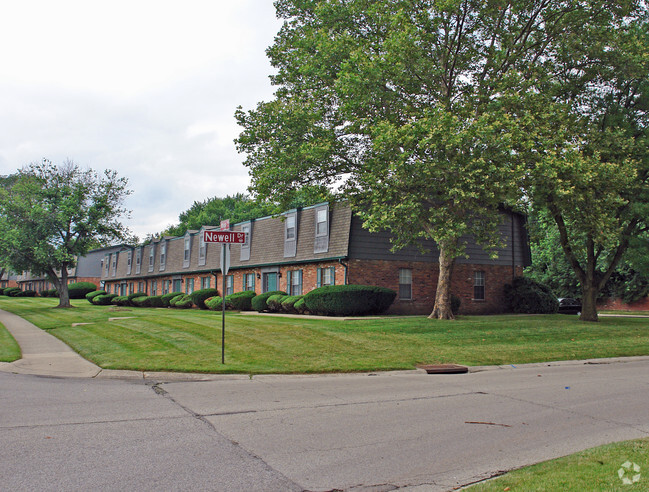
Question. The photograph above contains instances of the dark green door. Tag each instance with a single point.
(270, 282)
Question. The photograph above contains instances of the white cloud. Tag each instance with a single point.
(148, 88)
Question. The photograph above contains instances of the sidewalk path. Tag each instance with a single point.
(43, 353)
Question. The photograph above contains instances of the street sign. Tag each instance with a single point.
(224, 237)
(225, 258)
(225, 224)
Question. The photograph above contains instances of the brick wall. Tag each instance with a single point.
(424, 284)
(619, 305)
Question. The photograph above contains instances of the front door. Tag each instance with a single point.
(270, 282)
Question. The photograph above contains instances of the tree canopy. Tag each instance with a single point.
(50, 215)
(412, 109)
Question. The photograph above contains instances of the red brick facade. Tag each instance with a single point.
(619, 305)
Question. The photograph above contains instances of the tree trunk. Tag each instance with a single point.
(442, 308)
(589, 303)
(64, 296)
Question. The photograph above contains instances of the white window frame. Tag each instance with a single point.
(405, 282)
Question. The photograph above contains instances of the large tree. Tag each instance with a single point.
(405, 107)
(50, 215)
(588, 153)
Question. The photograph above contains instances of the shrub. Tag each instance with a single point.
(166, 298)
(274, 302)
(147, 301)
(349, 300)
(90, 296)
(173, 300)
(198, 296)
(240, 301)
(79, 290)
(26, 293)
(135, 295)
(185, 302)
(103, 299)
(48, 293)
(288, 304)
(120, 301)
(214, 303)
(259, 302)
(456, 302)
(11, 291)
(300, 306)
(525, 295)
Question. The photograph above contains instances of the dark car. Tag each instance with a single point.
(569, 305)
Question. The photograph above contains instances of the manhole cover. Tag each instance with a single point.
(444, 368)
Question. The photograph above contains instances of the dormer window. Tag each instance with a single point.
(187, 249)
(321, 240)
(129, 262)
(151, 256)
(290, 235)
(290, 227)
(163, 256)
(138, 261)
(245, 247)
(202, 248)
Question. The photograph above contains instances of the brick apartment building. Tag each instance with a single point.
(320, 245)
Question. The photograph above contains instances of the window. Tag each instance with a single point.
(202, 248)
(154, 287)
(245, 247)
(129, 261)
(114, 265)
(189, 285)
(106, 264)
(229, 285)
(138, 261)
(163, 255)
(166, 284)
(321, 241)
(188, 245)
(141, 286)
(478, 286)
(290, 235)
(151, 257)
(294, 282)
(206, 282)
(405, 283)
(326, 276)
(130, 288)
(249, 281)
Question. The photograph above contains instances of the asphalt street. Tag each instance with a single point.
(341, 432)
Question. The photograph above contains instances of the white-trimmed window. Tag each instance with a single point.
(405, 283)
(154, 287)
(290, 235)
(478, 286)
(202, 248)
(249, 281)
(290, 227)
(187, 249)
(229, 285)
(114, 264)
(206, 282)
(106, 265)
(326, 276)
(189, 285)
(245, 247)
(294, 282)
(151, 256)
(163, 256)
(138, 261)
(129, 262)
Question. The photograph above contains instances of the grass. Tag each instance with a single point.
(9, 349)
(190, 340)
(593, 469)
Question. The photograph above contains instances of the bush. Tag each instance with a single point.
(240, 301)
(185, 302)
(94, 294)
(214, 303)
(103, 299)
(525, 295)
(274, 302)
(120, 301)
(300, 306)
(79, 290)
(26, 293)
(135, 295)
(166, 298)
(349, 300)
(172, 301)
(11, 291)
(198, 296)
(259, 302)
(456, 302)
(147, 301)
(49, 293)
(288, 304)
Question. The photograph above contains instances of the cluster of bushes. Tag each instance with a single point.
(16, 292)
(528, 296)
(239, 301)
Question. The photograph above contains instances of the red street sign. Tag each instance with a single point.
(224, 237)
(225, 224)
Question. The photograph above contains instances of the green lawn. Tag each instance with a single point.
(190, 340)
(593, 469)
(9, 349)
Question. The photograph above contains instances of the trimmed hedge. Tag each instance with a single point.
(49, 293)
(214, 303)
(166, 298)
(135, 295)
(103, 300)
(26, 293)
(185, 302)
(11, 291)
(300, 306)
(120, 301)
(288, 304)
(528, 296)
(148, 301)
(240, 301)
(175, 299)
(79, 290)
(259, 302)
(94, 294)
(198, 297)
(349, 300)
(274, 302)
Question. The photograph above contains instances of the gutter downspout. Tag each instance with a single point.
(345, 266)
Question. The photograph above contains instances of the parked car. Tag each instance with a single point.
(569, 305)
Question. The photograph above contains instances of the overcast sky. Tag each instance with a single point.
(148, 88)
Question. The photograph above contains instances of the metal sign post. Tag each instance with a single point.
(225, 238)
